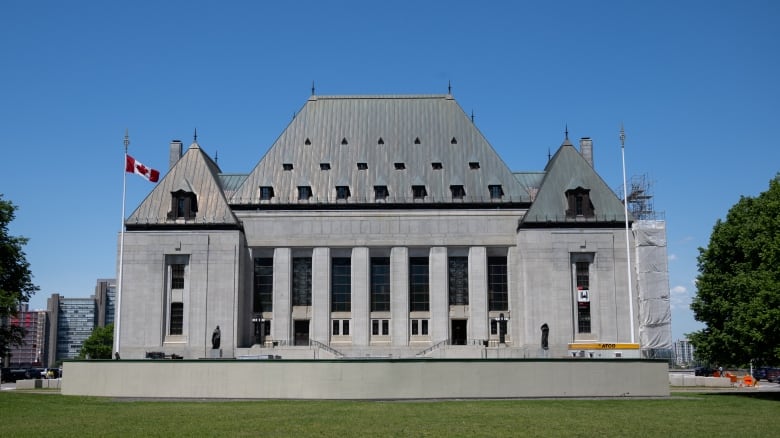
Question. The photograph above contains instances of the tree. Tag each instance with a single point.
(99, 344)
(738, 285)
(16, 285)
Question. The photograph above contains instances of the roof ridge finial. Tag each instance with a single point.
(566, 132)
(472, 116)
(195, 136)
(449, 87)
(312, 88)
(216, 157)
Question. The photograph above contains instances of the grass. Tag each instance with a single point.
(689, 415)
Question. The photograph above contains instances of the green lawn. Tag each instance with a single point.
(706, 415)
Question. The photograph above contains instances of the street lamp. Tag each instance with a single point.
(258, 323)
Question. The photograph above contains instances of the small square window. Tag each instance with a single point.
(496, 191)
(419, 192)
(458, 192)
(342, 192)
(362, 166)
(304, 192)
(380, 192)
(436, 166)
(324, 166)
(474, 165)
(400, 166)
(287, 166)
(266, 193)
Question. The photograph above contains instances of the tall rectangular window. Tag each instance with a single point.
(176, 293)
(380, 284)
(459, 280)
(418, 284)
(301, 281)
(177, 276)
(341, 284)
(582, 278)
(263, 285)
(498, 288)
(177, 318)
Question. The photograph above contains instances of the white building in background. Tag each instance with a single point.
(388, 226)
(683, 352)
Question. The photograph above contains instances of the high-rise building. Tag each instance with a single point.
(105, 295)
(71, 322)
(683, 352)
(33, 352)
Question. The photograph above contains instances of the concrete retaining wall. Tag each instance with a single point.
(688, 380)
(367, 379)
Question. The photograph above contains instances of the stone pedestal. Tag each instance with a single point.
(215, 353)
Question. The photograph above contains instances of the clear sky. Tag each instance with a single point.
(695, 84)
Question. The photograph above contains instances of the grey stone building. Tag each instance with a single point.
(388, 226)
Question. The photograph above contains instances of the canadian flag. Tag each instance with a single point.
(136, 167)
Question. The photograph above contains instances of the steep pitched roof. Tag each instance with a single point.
(393, 141)
(568, 170)
(197, 173)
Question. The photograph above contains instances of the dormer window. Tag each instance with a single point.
(266, 193)
(287, 166)
(324, 166)
(474, 165)
(342, 192)
(579, 204)
(184, 205)
(362, 166)
(436, 165)
(304, 193)
(419, 192)
(380, 192)
(496, 191)
(399, 166)
(458, 192)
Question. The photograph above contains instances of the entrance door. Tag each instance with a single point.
(301, 329)
(459, 331)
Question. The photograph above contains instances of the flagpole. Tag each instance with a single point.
(118, 312)
(628, 249)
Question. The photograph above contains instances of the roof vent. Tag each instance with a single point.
(307, 142)
(344, 141)
(380, 141)
(454, 140)
(417, 140)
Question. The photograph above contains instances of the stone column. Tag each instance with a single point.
(478, 300)
(361, 281)
(515, 324)
(320, 295)
(399, 295)
(281, 326)
(437, 289)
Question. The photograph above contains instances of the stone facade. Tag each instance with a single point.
(307, 256)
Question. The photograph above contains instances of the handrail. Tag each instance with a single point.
(327, 348)
(435, 346)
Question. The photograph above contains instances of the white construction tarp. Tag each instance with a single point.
(655, 315)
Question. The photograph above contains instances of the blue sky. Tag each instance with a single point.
(694, 83)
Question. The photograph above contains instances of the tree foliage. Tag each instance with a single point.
(738, 286)
(16, 285)
(99, 344)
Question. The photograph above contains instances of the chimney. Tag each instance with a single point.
(586, 149)
(175, 153)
